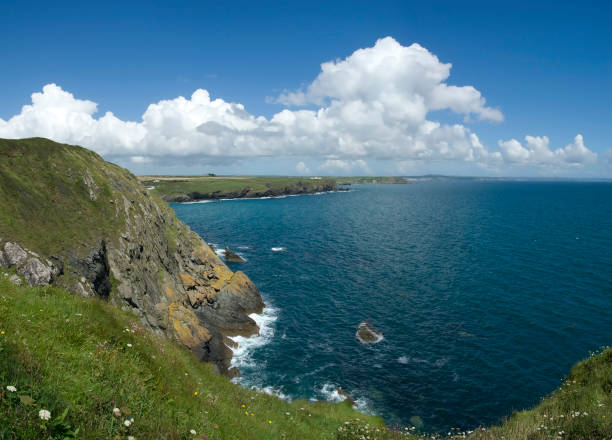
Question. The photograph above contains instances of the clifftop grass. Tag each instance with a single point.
(84, 356)
(45, 199)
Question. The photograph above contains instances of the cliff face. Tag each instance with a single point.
(71, 219)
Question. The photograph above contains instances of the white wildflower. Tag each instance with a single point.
(127, 423)
(129, 345)
(131, 437)
(44, 414)
(192, 432)
(116, 412)
(11, 388)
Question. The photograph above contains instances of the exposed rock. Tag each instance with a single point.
(346, 396)
(35, 272)
(367, 334)
(232, 256)
(15, 280)
(91, 185)
(14, 254)
(94, 268)
(85, 293)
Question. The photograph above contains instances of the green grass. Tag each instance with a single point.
(580, 409)
(219, 187)
(68, 354)
(45, 201)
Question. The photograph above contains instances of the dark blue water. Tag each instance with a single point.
(486, 292)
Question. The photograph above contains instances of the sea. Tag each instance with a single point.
(486, 293)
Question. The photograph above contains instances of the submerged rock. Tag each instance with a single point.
(231, 256)
(367, 334)
(417, 422)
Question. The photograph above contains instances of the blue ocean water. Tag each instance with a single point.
(486, 292)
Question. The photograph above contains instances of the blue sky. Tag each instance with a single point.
(547, 67)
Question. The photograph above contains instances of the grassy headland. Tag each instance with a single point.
(184, 189)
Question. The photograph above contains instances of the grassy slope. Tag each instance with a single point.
(171, 187)
(65, 352)
(56, 198)
(580, 409)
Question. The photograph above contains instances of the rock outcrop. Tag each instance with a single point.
(103, 234)
(27, 264)
(231, 256)
(367, 334)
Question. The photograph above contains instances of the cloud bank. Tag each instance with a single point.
(372, 105)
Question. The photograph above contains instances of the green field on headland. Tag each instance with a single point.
(191, 188)
(184, 189)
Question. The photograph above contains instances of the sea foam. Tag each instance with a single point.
(242, 354)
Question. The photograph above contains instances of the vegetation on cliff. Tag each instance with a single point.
(185, 189)
(84, 357)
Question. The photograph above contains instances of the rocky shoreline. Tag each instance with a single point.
(247, 193)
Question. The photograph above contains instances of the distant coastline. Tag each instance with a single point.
(186, 189)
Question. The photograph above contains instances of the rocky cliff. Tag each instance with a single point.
(71, 219)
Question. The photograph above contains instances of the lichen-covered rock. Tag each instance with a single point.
(35, 272)
(14, 255)
(231, 256)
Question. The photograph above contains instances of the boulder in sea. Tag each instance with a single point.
(232, 257)
(367, 334)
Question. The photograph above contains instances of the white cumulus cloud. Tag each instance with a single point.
(345, 166)
(301, 168)
(537, 151)
(373, 105)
